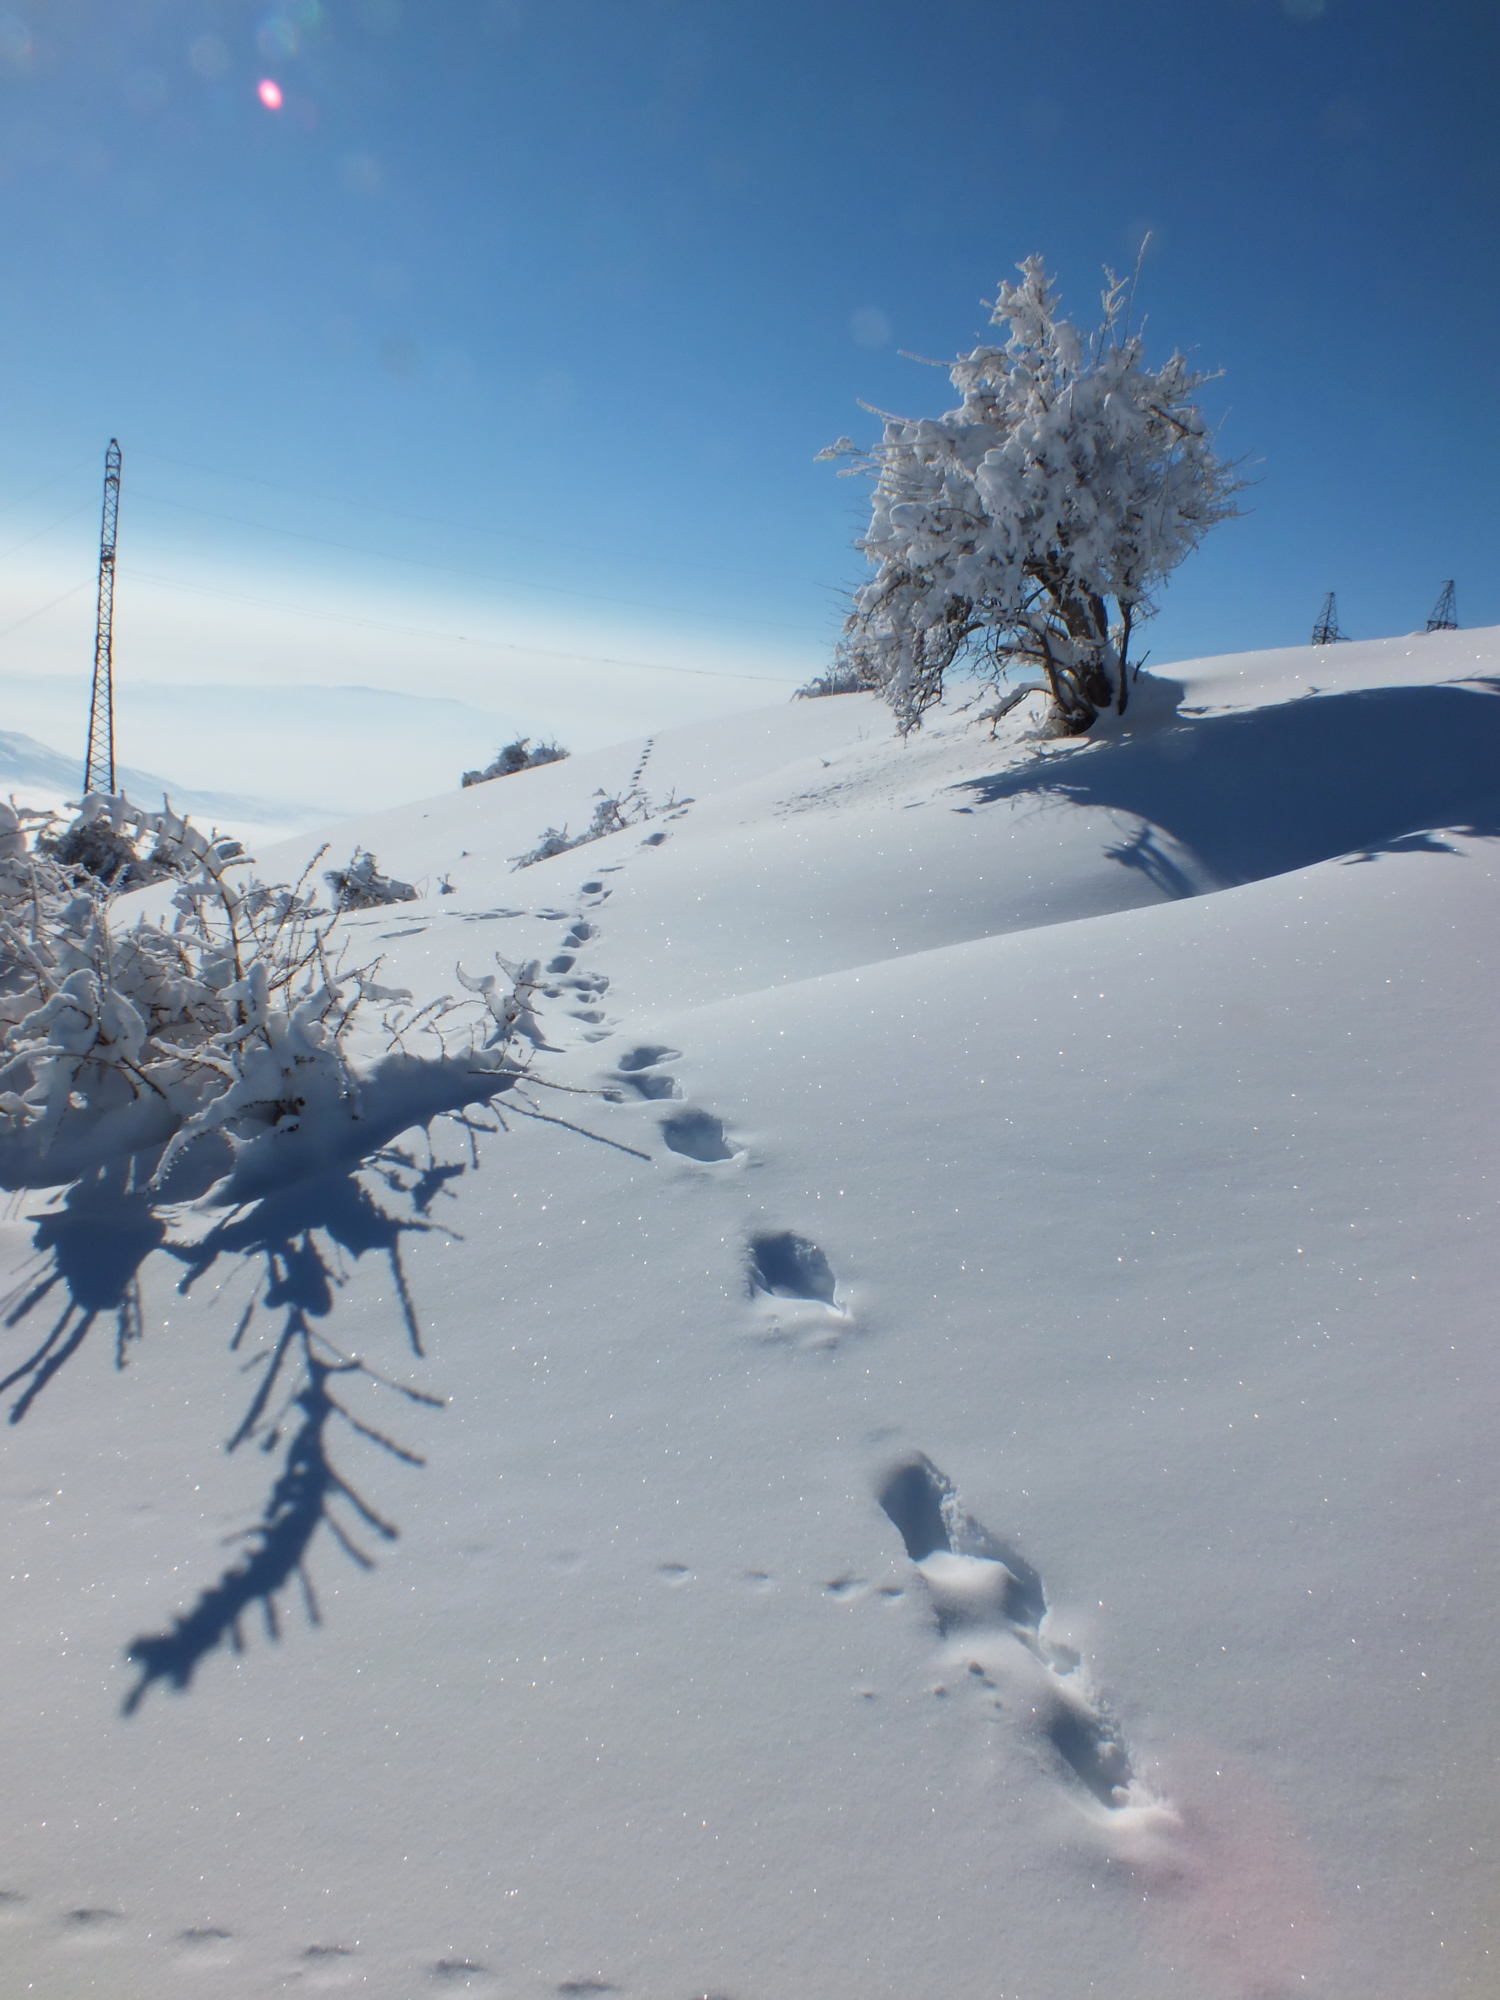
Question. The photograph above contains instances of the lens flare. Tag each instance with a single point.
(269, 94)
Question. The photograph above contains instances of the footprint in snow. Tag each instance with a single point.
(785, 1265)
(651, 1085)
(648, 1055)
(844, 1589)
(91, 1926)
(992, 1609)
(697, 1135)
(793, 1282)
(326, 1968)
(205, 1943)
(205, 1948)
(637, 1072)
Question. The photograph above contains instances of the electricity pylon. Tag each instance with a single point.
(1326, 631)
(99, 763)
(1444, 613)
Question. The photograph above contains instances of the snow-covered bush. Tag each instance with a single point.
(1070, 476)
(517, 756)
(843, 677)
(361, 886)
(94, 846)
(133, 1031)
(610, 816)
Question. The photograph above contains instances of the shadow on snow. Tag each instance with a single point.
(337, 1197)
(1256, 793)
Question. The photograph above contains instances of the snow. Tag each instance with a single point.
(982, 1485)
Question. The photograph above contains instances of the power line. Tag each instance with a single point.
(31, 493)
(432, 632)
(464, 527)
(451, 569)
(71, 514)
(46, 607)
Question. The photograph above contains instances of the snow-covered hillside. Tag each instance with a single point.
(960, 1465)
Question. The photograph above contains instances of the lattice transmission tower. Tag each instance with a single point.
(99, 763)
(1445, 612)
(1326, 632)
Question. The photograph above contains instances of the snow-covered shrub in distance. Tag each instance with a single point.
(1071, 475)
(517, 756)
(845, 676)
(129, 1032)
(554, 840)
(611, 815)
(361, 886)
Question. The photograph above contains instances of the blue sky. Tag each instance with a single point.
(514, 331)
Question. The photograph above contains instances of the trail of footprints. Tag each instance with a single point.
(988, 1601)
(560, 979)
(694, 1134)
(640, 1073)
(690, 1132)
(318, 1967)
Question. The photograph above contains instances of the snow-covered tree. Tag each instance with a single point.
(1032, 524)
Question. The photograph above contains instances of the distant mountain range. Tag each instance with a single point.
(27, 766)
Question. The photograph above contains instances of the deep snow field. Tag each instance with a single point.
(967, 1473)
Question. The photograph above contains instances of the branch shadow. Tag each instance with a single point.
(300, 1503)
(356, 1193)
(1262, 791)
(300, 1236)
(92, 1246)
